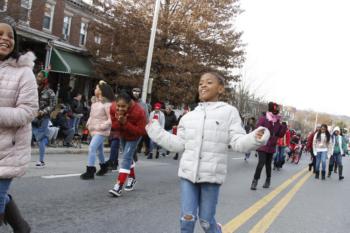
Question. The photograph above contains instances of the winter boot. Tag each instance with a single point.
(150, 156)
(176, 157)
(341, 172)
(157, 154)
(14, 218)
(103, 170)
(254, 184)
(323, 175)
(330, 169)
(267, 183)
(1, 219)
(310, 167)
(89, 174)
(112, 165)
(317, 175)
(136, 157)
(329, 173)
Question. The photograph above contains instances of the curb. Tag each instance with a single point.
(35, 151)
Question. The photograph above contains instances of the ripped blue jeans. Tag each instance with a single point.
(199, 199)
(4, 197)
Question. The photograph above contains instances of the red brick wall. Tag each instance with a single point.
(90, 35)
(37, 14)
(74, 30)
(58, 19)
(13, 9)
(36, 21)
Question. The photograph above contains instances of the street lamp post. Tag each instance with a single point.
(150, 51)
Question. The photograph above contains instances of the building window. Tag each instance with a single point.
(83, 33)
(3, 5)
(66, 26)
(26, 4)
(48, 16)
(90, 2)
(98, 39)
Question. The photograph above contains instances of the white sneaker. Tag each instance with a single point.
(40, 164)
(116, 191)
(220, 227)
(130, 185)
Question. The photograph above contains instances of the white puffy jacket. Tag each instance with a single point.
(205, 135)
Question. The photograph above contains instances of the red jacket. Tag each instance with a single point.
(135, 122)
(309, 142)
(285, 140)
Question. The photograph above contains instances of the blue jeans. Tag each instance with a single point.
(321, 156)
(75, 124)
(152, 146)
(96, 147)
(4, 197)
(41, 135)
(336, 158)
(129, 148)
(279, 158)
(114, 154)
(200, 200)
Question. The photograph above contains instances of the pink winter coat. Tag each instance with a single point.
(18, 107)
(100, 120)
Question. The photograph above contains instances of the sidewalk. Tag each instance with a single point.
(66, 150)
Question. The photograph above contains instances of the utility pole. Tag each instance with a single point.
(150, 51)
(316, 119)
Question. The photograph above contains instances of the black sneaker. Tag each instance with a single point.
(40, 164)
(130, 185)
(68, 145)
(116, 191)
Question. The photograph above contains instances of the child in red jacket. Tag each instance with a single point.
(129, 119)
(282, 144)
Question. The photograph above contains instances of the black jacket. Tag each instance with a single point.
(77, 107)
(61, 121)
(170, 120)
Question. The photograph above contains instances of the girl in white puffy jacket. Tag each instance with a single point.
(204, 136)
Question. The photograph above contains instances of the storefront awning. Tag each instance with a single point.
(70, 63)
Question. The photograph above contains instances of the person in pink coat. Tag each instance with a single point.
(18, 107)
(99, 125)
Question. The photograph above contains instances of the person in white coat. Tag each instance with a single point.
(322, 147)
(204, 136)
(159, 116)
(339, 149)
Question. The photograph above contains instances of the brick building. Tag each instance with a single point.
(57, 31)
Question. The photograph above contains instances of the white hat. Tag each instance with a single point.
(336, 129)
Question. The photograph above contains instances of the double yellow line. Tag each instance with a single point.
(268, 219)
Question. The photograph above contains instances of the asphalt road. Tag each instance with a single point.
(69, 205)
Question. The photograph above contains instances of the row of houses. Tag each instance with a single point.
(58, 33)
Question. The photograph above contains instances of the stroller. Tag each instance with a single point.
(296, 149)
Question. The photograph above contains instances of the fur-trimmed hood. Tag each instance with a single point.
(26, 59)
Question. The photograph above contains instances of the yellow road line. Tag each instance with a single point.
(268, 219)
(239, 220)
